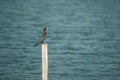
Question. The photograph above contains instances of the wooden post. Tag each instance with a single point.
(44, 62)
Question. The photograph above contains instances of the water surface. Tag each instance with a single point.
(83, 39)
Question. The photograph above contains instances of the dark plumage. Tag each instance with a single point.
(42, 38)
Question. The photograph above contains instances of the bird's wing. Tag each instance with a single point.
(41, 39)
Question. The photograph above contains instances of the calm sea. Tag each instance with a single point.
(83, 39)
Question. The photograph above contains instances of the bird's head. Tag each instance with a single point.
(45, 29)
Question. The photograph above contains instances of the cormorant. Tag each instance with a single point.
(42, 38)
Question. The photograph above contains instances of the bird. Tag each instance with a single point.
(42, 38)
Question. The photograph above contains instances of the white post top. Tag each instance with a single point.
(44, 44)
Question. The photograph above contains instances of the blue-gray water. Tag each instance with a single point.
(83, 39)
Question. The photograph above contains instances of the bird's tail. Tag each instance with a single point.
(36, 44)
